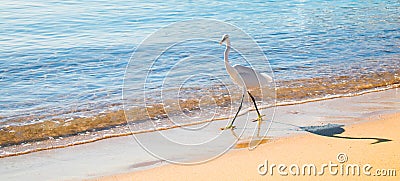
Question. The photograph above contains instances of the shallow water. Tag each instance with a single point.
(63, 63)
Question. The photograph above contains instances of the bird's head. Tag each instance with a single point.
(224, 38)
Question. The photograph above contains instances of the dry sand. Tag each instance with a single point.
(375, 142)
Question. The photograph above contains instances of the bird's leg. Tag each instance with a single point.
(259, 119)
(231, 125)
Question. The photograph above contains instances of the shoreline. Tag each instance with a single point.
(125, 155)
(106, 134)
(380, 147)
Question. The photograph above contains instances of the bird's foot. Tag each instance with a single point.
(259, 119)
(228, 127)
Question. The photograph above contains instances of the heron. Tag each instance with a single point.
(246, 78)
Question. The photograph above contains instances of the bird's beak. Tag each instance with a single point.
(222, 41)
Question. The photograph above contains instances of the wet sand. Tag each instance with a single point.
(370, 145)
(110, 157)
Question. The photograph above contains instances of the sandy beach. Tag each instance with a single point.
(371, 149)
(364, 128)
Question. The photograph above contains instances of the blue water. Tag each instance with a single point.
(63, 57)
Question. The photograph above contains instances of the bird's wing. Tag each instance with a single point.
(242, 69)
(267, 77)
(252, 78)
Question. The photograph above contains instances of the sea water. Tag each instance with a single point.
(62, 64)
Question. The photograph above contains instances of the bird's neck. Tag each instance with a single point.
(227, 49)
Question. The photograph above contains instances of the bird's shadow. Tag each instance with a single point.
(332, 130)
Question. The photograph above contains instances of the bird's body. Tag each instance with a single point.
(245, 77)
(250, 78)
(242, 76)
